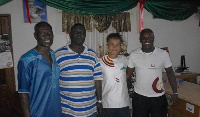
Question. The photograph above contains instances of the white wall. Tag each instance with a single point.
(181, 37)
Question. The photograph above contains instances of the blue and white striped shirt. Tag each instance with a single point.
(77, 86)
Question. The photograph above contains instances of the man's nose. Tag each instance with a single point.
(79, 33)
(47, 35)
(147, 39)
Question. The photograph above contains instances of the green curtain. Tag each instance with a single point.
(164, 9)
(92, 7)
(171, 10)
(2, 2)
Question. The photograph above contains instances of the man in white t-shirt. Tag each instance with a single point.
(147, 63)
(115, 98)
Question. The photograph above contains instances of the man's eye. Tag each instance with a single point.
(41, 33)
(49, 33)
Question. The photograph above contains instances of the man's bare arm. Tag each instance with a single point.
(172, 80)
(129, 72)
(99, 96)
(25, 103)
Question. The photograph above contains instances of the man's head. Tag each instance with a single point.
(43, 34)
(77, 34)
(114, 41)
(147, 39)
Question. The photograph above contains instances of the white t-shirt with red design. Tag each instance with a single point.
(148, 69)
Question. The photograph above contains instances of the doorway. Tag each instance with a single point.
(9, 100)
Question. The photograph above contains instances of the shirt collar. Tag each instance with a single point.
(85, 50)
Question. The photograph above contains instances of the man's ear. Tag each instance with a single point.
(70, 34)
(107, 47)
(35, 35)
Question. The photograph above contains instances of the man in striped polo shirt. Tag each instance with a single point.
(80, 78)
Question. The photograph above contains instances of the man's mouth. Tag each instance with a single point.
(47, 41)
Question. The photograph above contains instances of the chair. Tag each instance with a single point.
(165, 48)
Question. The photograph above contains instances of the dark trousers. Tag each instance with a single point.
(149, 106)
(116, 112)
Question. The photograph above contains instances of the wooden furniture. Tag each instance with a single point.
(9, 99)
(7, 77)
(191, 77)
(189, 100)
(165, 48)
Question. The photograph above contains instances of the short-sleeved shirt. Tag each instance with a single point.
(77, 81)
(40, 80)
(114, 84)
(148, 69)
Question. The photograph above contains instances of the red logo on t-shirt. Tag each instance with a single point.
(154, 86)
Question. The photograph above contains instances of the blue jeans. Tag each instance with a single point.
(116, 112)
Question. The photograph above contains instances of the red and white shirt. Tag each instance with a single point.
(148, 69)
(114, 85)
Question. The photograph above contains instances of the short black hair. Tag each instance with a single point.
(42, 23)
(77, 24)
(115, 36)
(146, 30)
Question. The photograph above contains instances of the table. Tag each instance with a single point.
(189, 100)
(190, 77)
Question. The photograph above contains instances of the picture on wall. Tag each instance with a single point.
(34, 11)
(5, 52)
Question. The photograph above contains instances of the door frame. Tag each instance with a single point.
(9, 85)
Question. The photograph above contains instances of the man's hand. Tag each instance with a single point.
(99, 109)
(174, 99)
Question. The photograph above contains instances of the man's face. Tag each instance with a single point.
(44, 36)
(147, 40)
(78, 35)
(114, 46)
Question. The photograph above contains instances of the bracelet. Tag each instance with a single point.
(99, 101)
(175, 93)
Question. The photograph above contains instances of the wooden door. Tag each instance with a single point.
(9, 100)
(7, 78)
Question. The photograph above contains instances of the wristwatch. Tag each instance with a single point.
(99, 101)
